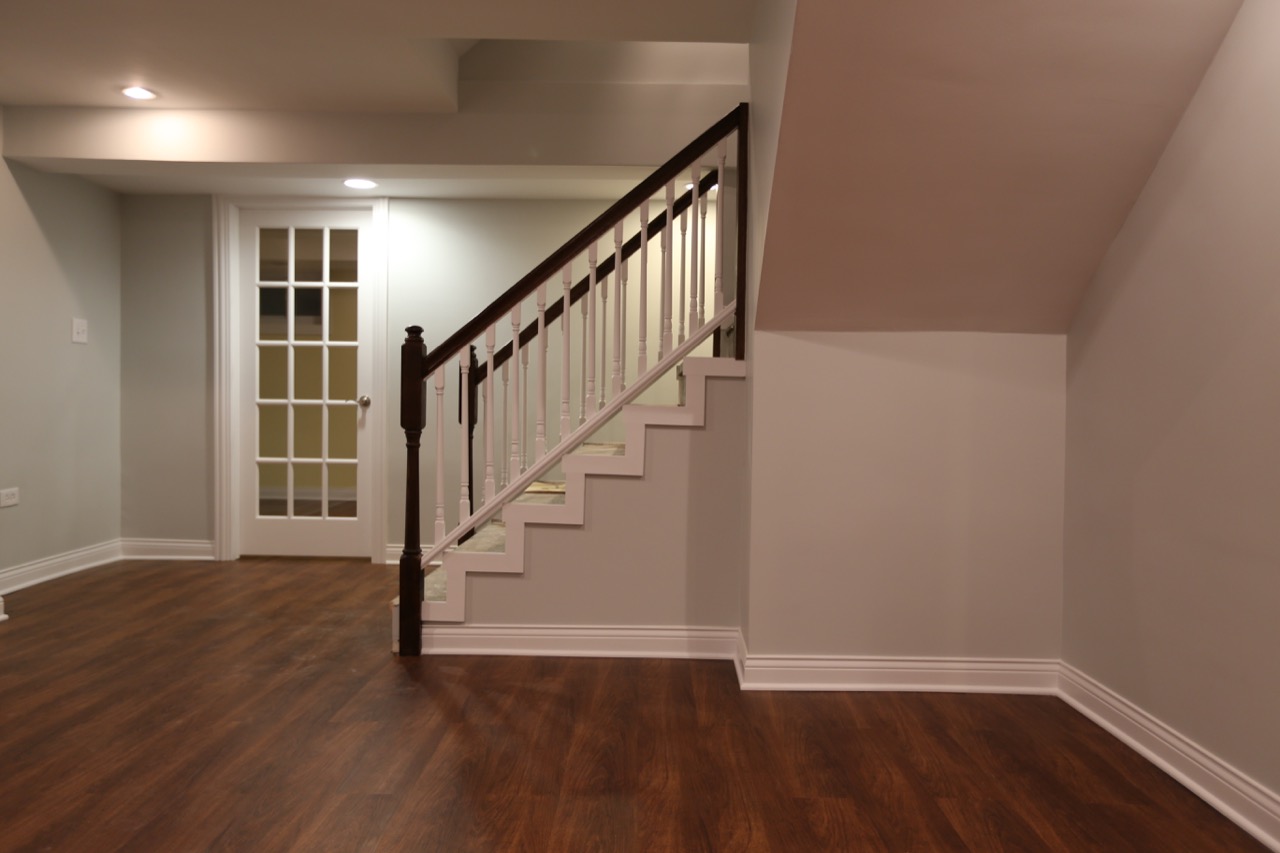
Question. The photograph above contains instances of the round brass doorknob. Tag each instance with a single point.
(364, 401)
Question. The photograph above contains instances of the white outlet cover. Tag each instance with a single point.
(79, 331)
(8, 497)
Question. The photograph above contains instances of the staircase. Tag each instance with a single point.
(658, 307)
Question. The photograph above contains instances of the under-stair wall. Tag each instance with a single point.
(666, 550)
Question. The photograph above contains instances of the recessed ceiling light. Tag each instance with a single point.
(359, 183)
(139, 94)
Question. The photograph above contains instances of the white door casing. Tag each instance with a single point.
(300, 337)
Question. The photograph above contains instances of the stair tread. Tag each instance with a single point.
(489, 538)
(601, 448)
(435, 586)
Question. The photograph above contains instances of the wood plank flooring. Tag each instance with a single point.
(254, 706)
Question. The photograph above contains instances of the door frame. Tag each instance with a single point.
(226, 362)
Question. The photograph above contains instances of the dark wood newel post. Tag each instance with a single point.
(744, 210)
(413, 418)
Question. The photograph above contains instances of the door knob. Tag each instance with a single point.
(364, 401)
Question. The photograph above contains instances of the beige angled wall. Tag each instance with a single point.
(166, 368)
(907, 494)
(1173, 441)
(60, 415)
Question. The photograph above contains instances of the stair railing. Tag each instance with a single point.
(689, 302)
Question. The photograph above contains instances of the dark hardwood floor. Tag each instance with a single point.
(254, 706)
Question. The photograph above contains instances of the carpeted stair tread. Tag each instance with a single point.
(490, 538)
(435, 586)
(601, 448)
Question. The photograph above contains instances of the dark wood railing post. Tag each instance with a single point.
(470, 389)
(740, 308)
(413, 418)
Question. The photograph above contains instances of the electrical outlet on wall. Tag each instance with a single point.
(79, 331)
(8, 497)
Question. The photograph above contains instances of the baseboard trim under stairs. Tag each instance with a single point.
(637, 419)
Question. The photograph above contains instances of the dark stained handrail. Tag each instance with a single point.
(603, 270)
(601, 225)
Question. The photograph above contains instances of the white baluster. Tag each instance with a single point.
(720, 229)
(439, 453)
(504, 467)
(513, 464)
(524, 410)
(464, 366)
(540, 430)
(684, 264)
(615, 375)
(582, 385)
(695, 268)
(642, 363)
(565, 349)
(592, 399)
(622, 325)
(603, 349)
(668, 232)
(702, 267)
(490, 488)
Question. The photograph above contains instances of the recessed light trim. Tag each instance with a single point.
(138, 93)
(359, 183)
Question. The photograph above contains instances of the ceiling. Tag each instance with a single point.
(287, 96)
(965, 166)
(940, 165)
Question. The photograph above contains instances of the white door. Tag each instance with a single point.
(305, 333)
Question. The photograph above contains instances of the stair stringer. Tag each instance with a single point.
(637, 419)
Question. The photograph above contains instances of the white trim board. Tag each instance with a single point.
(954, 675)
(58, 565)
(70, 562)
(639, 641)
(1248, 804)
(166, 549)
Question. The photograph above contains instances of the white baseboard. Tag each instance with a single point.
(393, 554)
(166, 549)
(951, 675)
(1248, 804)
(582, 641)
(70, 562)
(3, 615)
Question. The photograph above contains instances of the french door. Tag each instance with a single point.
(305, 381)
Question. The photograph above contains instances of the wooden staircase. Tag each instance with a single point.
(614, 337)
(499, 546)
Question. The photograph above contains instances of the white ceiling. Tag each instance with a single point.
(460, 79)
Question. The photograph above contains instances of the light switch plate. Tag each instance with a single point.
(79, 331)
(8, 497)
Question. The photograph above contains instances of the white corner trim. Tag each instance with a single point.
(951, 675)
(166, 549)
(582, 641)
(3, 615)
(67, 563)
(1248, 804)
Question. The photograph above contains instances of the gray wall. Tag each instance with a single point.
(167, 438)
(1173, 437)
(907, 494)
(666, 549)
(60, 415)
